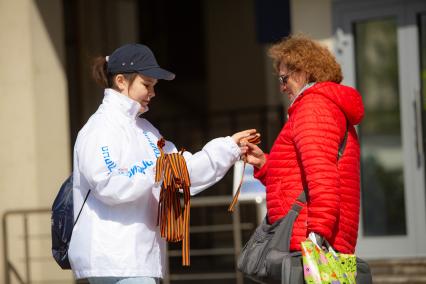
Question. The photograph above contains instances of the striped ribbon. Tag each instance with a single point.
(172, 218)
(254, 140)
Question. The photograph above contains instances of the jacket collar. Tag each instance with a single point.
(306, 86)
(119, 102)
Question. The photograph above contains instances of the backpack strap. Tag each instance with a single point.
(78, 216)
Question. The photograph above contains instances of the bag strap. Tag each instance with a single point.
(344, 141)
(78, 216)
(302, 197)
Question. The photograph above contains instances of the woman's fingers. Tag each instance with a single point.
(251, 147)
(254, 155)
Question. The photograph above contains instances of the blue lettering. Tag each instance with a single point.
(140, 168)
(132, 171)
(153, 146)
(111, 166)
(109, 163)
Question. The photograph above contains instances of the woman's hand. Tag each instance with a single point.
(243, 136)
(254, 155)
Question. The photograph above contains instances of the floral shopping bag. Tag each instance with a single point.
(324, 265)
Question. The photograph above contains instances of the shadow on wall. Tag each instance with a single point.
(47, 10)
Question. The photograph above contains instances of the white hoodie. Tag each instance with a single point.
(114, 156)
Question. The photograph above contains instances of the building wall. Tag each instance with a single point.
(34, 144)
(312, 17)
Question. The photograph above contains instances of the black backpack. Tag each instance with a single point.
(62, 222)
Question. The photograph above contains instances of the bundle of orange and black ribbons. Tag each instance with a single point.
(172, 218)
(254, 139)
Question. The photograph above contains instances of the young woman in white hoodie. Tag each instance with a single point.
(116, 238)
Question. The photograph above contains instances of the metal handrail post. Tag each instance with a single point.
(27, 250)
(5, 253)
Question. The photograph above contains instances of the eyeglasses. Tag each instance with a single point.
(284, 78)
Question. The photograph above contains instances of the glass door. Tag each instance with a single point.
(379, 44)
(421, 21)
(382, 165)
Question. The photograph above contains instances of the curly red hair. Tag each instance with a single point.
(300, 53)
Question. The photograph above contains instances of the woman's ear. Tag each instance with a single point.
(301, 77)
(121, 83)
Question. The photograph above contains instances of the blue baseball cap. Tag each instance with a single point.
(136, 58)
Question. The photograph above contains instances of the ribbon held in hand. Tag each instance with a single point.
(254, 139)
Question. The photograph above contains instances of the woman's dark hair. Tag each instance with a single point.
(101, 76)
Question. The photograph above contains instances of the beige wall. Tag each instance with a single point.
(312, 17)
(34, 145)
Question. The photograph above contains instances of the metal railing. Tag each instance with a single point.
(11, 269)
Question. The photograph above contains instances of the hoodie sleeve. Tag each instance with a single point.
(316, 136)
(107, 173)
(210, 165)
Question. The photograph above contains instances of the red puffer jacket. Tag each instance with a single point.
(305, 152)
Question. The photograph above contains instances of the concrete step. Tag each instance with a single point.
(394, 279)
(391, 271)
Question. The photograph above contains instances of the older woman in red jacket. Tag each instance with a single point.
(305, 152)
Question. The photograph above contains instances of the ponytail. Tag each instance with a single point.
(99, 72)
(101, 76)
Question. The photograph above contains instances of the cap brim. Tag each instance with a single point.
(158, 73)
